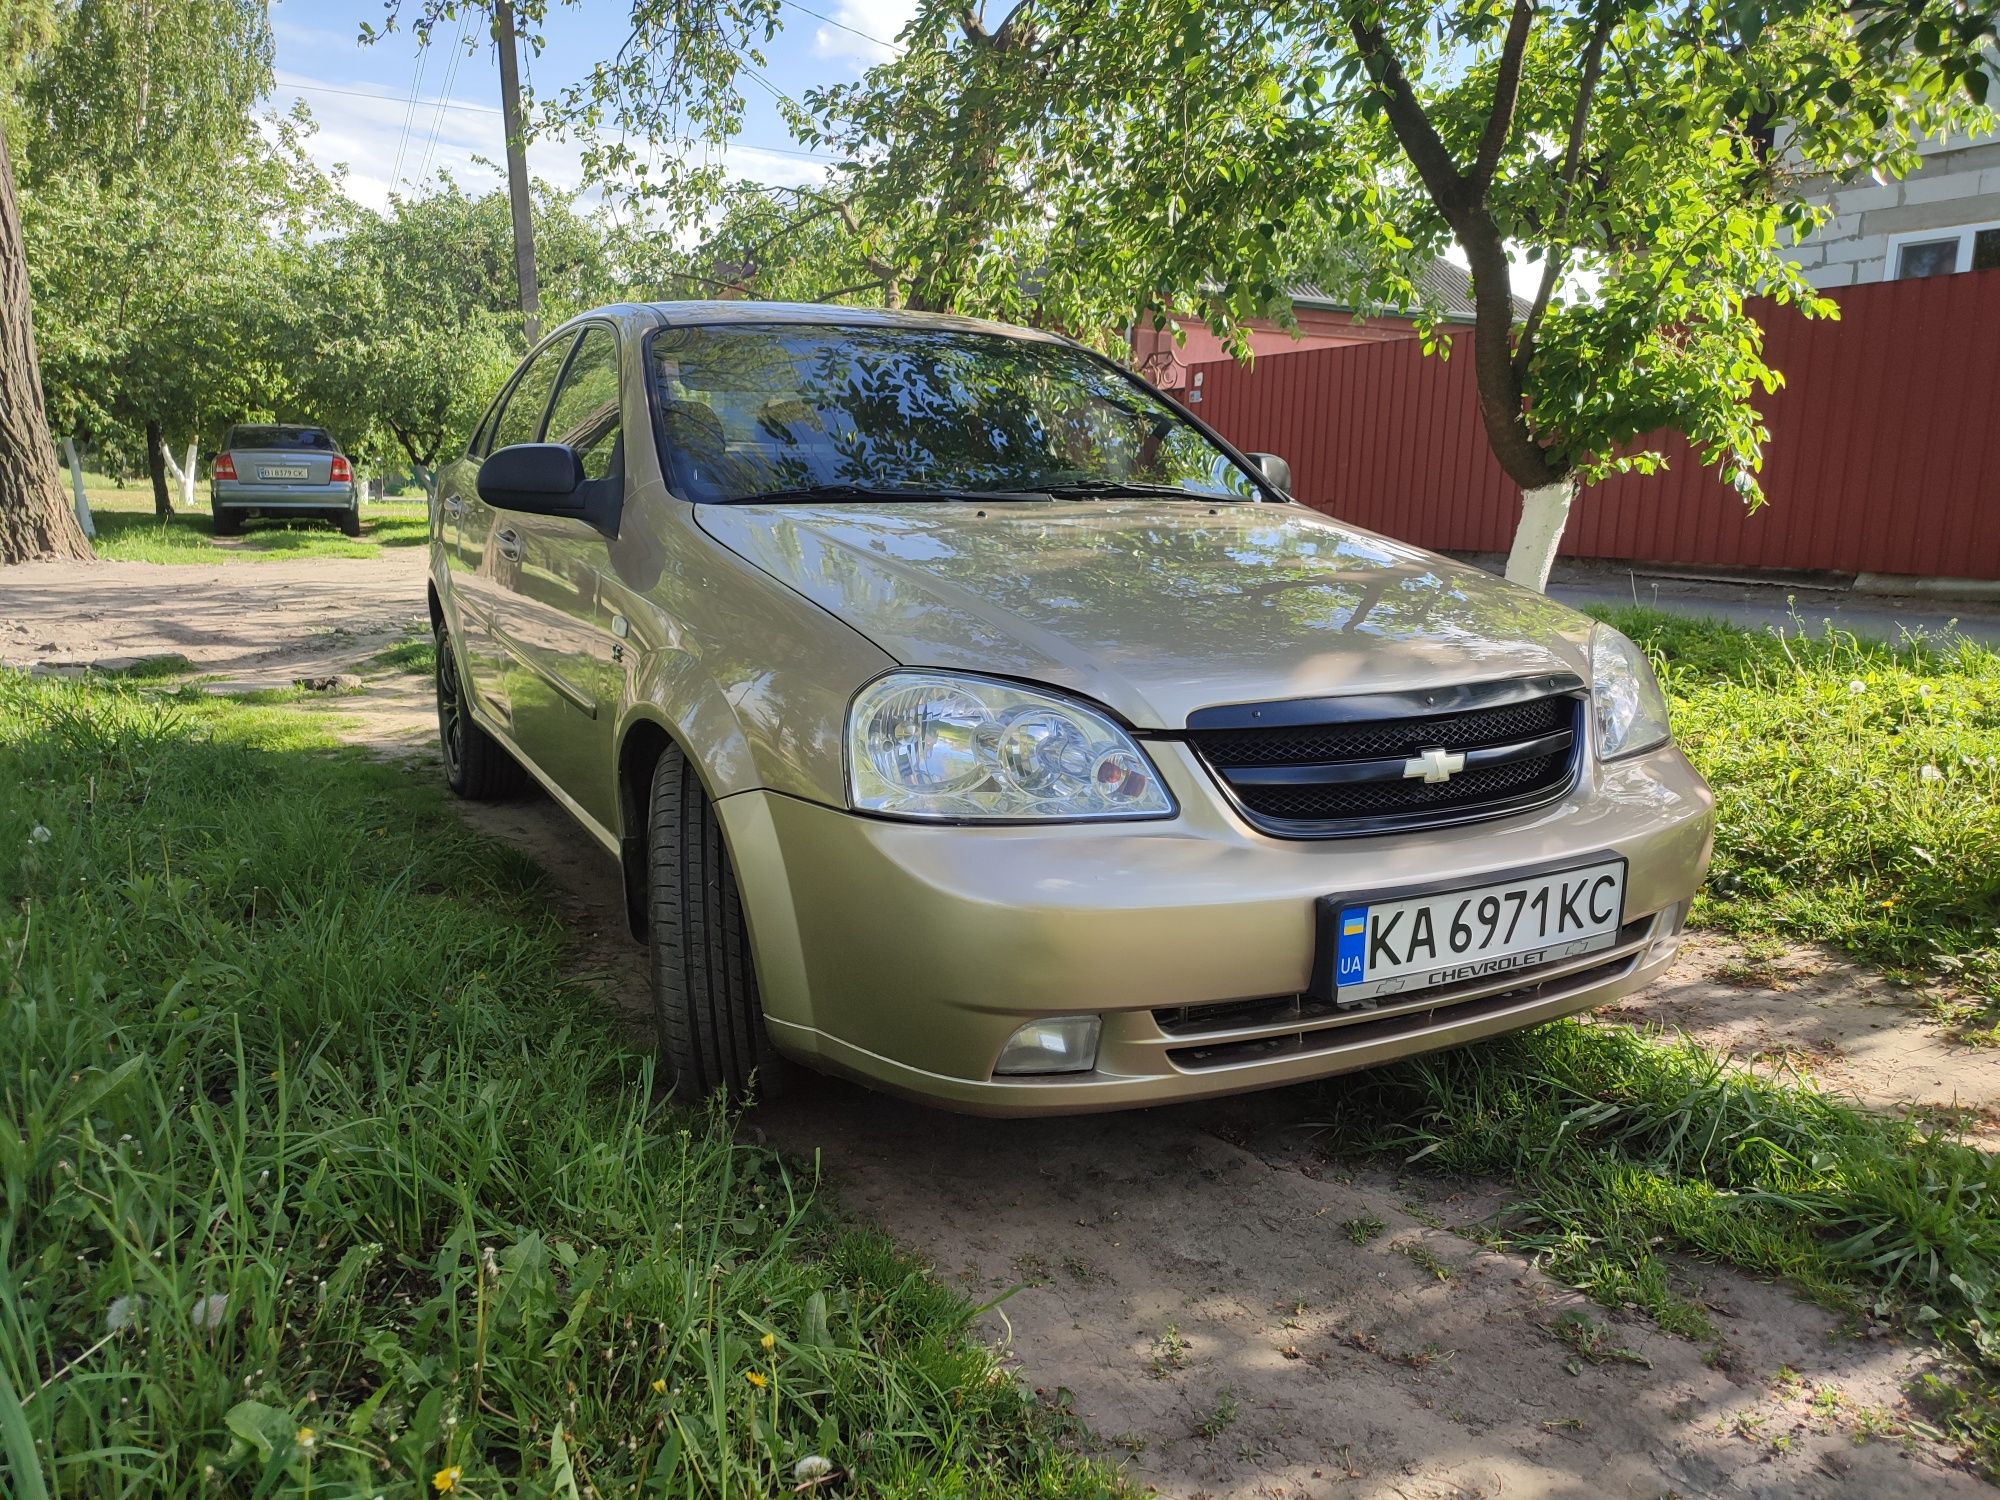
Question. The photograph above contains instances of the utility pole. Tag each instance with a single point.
(517, 170)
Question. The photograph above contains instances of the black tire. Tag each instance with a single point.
(349, 521)
(476, 766)
(227, 523)
(711, 1021)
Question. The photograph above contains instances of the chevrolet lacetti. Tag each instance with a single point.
(968, 719)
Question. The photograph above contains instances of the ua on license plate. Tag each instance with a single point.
(1397, 947)
(282, 471)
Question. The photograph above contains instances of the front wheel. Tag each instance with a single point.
(711, 1021)
(476, 766)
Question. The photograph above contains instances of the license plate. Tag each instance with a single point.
(282, 471)
(1400, 946)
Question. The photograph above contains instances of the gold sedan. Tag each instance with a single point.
(970, 720)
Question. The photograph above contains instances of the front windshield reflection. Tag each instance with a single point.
(752, 410)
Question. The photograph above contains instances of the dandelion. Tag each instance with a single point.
(1929, 774)
(124, 1312)
(755, 1379)
(812, 1468)
(39, 834)
(445, 1480)
(769, 1341)
(210, 1311)
(1856, 685)
(660, 1387)
(306, 1438)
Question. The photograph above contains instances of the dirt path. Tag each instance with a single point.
(1187, 1278)
(256, 624)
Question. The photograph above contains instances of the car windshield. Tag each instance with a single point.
(825, 411)
(304, 439)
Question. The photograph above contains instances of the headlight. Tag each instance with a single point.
(1631, 710)
(938, 745)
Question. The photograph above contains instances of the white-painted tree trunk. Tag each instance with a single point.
(1544, 513)
(184, 476)
(83, 517)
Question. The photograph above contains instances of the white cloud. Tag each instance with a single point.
(387, 145)
(864, 29)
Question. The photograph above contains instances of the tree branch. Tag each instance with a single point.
(1421, 143)
(1506, 94)
(1579, 121)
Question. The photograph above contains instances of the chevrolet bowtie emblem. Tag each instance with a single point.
(1434, 765)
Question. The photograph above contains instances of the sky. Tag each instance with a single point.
(395, 114)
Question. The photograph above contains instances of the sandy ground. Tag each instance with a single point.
(1184, 1279)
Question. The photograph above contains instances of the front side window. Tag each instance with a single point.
(753, 410)
(585, 412)
(520, 419)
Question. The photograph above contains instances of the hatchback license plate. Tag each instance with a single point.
(282, 471)
(1400, 946)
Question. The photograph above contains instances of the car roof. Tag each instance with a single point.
(719, 314)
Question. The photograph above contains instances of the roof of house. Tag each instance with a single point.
(1445, 286)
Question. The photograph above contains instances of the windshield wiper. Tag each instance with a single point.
(814, 493)
(1077, 488)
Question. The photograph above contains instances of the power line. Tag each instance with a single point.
(488, 109)
(852, 30)
(444, 94)
(409, 115)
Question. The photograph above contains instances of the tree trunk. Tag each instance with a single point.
(156, 468)
(1544, 513)
(35, 519)
(184, 474)
(83, 516)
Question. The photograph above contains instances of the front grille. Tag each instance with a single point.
(1346, 775)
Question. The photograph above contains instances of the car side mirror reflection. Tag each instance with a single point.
(1275, 470)
(543, 479)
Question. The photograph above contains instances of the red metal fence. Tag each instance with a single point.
(1884, 454)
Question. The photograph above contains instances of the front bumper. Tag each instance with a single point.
(906, 955)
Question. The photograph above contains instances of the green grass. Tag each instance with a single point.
(416, 654)
(324, 1174)
(1627, 1147)
(1858, 790)
(128, 531)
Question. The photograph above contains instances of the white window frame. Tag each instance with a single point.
(1964, 232)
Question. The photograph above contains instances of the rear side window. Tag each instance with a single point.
(585, 413)
(520, 419)
(283, 439)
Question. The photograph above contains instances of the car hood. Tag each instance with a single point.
(1154, 608)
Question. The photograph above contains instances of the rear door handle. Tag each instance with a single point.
(453, 506)
(509, 543)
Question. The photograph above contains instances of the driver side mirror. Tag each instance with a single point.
(1277, 473)
(542, 479)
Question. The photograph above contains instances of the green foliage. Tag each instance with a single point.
(1857, 788)
(1078, 164)
(294, 1201)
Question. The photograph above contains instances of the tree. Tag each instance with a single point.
(137, 124)
(1195, 157)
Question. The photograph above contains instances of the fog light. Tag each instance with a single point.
(1062, 1044)
(1667, 933)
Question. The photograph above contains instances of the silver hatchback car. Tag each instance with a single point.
(271, 470)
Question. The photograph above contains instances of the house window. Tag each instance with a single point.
(1942, 252)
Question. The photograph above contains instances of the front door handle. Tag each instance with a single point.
(509, 543)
